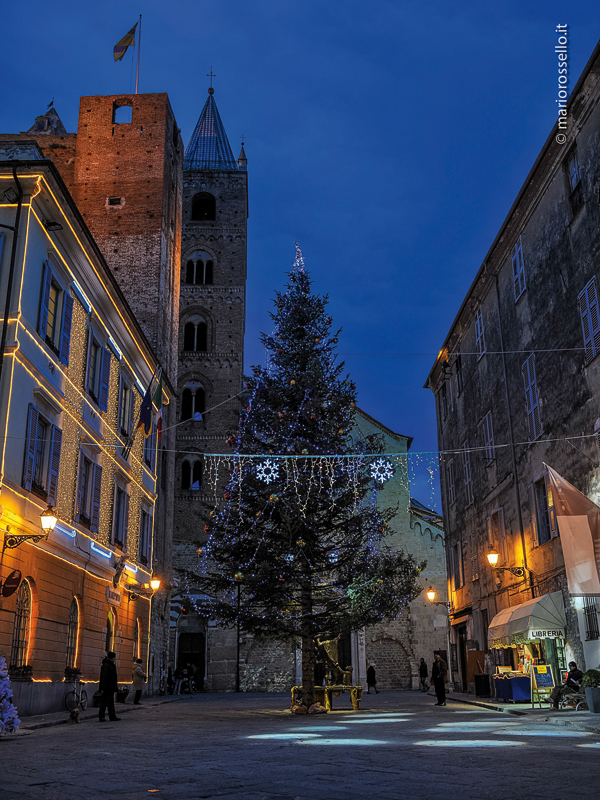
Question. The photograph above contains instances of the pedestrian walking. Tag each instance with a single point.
(108, 686)
(372, 679)
(139, 676)
(439, 670)
(423, 673)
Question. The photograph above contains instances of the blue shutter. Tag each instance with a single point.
(45, 299)
(590, 319)
(78, 497)
(30, 447)
(125, 526)
(131, 409)
(104, 379)
(533, 515)
(65, 334)
(96, 488)
(54, 464)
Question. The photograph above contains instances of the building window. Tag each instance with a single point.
(111, 629)
(474, 558)
(497, 534)
(89, 485)
(56, 314)
(590, 615)
(574, 180)
(20, 638)
(518, 268)
(98, 371)
(459, 374)
(199, 272)
(72, 633)
(42, 456)
(150, 449)
(479, 333)
(531, 399)
(192, 404)
(204, 207)
(451, 482)
(467, 473)
(195, 337)
(590, 319)
(126, 401)
(120, 517)
(122, 113)
(191, 475)
(456, 565)
(543, 514)
(486, 432)
(145, 541)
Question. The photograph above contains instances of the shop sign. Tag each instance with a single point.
(11, 584)
(546, 634)
(113, 596)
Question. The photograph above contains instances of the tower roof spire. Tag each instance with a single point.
(209, 146)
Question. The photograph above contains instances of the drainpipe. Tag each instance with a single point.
(512, 445)
(11, 273)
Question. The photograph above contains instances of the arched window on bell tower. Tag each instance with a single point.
(204, 207)
(193, 403)
(199, 269)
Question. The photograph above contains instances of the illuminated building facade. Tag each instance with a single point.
(75, 366)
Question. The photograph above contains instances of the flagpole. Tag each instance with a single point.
(137, 74)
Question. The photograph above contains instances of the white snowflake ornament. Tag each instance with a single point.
(267, 471)
(382, 470)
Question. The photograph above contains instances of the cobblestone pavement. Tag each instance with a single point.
(249, 747)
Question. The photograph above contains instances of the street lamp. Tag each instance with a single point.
(146, 590)
(431, 597)
(518, 572)
(48, 520)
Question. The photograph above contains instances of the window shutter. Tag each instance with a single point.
(30, 447)
(54, 464)
(65, 334)
(125, 526)
(45, 299)
(87, 358)
(532, 511)
(590, 319)
(131, 410)
(551, 510)
(531, 398)
(490, 533)
(79, 488)
(97, 486)
(104, 379)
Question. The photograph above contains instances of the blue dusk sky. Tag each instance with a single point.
(388, 138)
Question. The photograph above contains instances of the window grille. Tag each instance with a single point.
(590, 319)
(518, 268)
(531, 399)
(72, 632)
(590, 614)
(20, 639)
(479, 333)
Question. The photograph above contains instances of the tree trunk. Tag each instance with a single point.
(308, 649)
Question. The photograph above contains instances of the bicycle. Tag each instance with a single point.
(77, 699)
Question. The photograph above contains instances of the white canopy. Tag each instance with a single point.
(540, 618)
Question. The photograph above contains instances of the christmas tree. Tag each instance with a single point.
(296, 549)
(9, 721)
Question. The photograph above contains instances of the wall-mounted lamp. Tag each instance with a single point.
(518, 572)
(431, 597)
(48, 520)
(146, 590)
(10, 195)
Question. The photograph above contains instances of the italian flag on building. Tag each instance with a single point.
(157, 401)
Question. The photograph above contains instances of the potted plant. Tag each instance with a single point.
(591, 684)
(23, 673)
(72, 674)
(122, 693)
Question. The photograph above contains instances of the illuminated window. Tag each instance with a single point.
(56, 314)
(126, 401)
(98, 371)
(72, 632)
(120, 517)
(89, 486)
(42, 456)
(20, 639)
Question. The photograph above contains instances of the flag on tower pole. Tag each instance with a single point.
(157, 400)
(127, 41)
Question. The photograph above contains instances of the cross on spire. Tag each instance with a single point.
(211, 75)
(243, 138)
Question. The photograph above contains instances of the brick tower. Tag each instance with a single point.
(211, 340)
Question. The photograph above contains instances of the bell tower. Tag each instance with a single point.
(211, 318)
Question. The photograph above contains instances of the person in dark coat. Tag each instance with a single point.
(138, 677)
(423, 673)
(439, 670)
(371, 679)
(108, 686)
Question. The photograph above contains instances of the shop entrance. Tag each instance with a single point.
(191, 650)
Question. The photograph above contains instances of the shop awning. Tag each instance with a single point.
(540, 618)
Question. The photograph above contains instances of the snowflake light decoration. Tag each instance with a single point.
(267, 471)
(382, 470)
